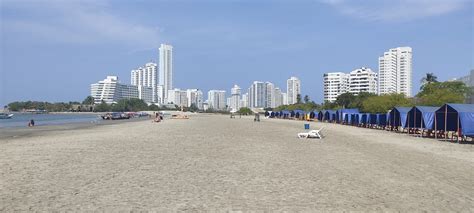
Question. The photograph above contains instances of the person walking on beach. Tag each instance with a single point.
(31, 123)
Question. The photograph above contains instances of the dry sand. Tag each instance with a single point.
(213, 163)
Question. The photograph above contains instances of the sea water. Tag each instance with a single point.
(22, 119)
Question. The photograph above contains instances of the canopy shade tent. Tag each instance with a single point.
(330, 115)
(363, 118)
(382, 119)
(313, 114)
(321, 115)
(373, 119)
(341, 114)
(297, 113)
(398, 116)
(274, 114)
(351, 118)
(267, 113)
(285, 113)
(455, 117)
(422, 117)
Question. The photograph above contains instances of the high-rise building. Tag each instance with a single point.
(235, 98)
(293, 89)
(146, 94)
(284, 97)
(395, 71)
(362, 80)
(146, 76)
(270, 95)
(216, 99)
(278, 101)
(244, 101)
(178, 97)
(257, 95)
(110, 90)
(194, 96)
(335, 84)
(166, 70)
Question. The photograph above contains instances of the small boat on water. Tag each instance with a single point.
(5, 116)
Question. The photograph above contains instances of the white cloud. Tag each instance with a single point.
(396, 10)
(79, 22)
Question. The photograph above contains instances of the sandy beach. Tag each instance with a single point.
(213, 163)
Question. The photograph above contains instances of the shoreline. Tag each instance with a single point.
(42, 130)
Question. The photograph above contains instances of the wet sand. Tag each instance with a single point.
(213, 163)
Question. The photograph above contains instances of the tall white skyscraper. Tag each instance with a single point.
(146, 76)
(363, 80)
(235, 98)
(270, 95)
(244, 101)
(166, 70)
(293, 89)
(258, 95)
(284, 97)
(395, 71)
(216, 99)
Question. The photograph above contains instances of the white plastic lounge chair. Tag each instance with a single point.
(311, 134)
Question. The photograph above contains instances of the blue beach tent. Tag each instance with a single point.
(321, 115)
(422, 117)
(353, 119)
(273, 114)
(330, 115)
(364, 118)
(267, 113)
(382, 119)
(341, 114)
(313, 114)
(285, 113)
(456, 117)
(297, 113)
(277, 114)
(373, 119)
(398, 116)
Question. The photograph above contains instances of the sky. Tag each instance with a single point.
(53, 50)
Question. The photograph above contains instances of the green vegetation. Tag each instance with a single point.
(383, 103)
(307, 106)
(127, 105)
(121, 106)
(428, 79)
(439, 93)
(245, 111)
(38, 105)
(89, 100)
(102, 107)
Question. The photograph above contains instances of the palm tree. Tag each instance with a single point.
(428, 79)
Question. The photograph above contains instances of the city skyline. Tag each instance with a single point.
(213, 52)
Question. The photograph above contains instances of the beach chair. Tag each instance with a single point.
(311, 134)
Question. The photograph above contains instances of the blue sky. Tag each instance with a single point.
(53, 50)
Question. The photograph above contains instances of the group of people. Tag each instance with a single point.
(158, 117)
(31, 123)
